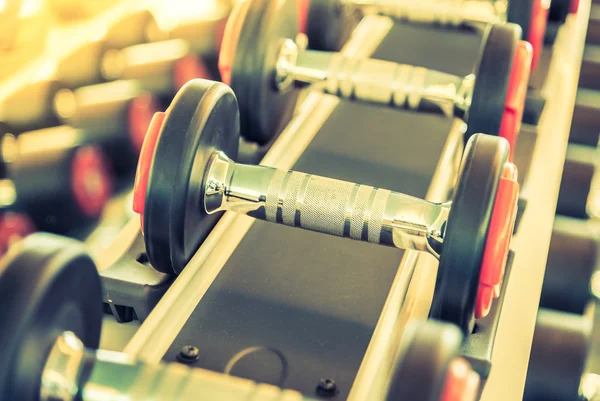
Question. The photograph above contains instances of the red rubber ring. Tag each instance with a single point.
(497, 244)
(230, 39)
(303, 8)
(91, 182)
(188, 68)
(141, 110)
(462, 383)
(145, 161)
(219, 33)
(13, 227)
(537, 29)
(516, 95)
(574, 6)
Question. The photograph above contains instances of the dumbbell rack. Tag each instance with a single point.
(531, 244)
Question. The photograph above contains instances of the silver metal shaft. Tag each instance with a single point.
(73, 373)
(472, 13)
(325, 205)
(377, 81)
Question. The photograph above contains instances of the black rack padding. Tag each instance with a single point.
(479, 347)
(455, 51)
(309, 302)
(131, 286)
(538, 78)
(534, 106)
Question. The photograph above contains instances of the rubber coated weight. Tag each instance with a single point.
(561, 342)
(466, 233)
(48, 285)
(251, 45)
(202, 118)
(520, 12)
(420, 366)
(329, 24)
(492, 78)
(532, 17)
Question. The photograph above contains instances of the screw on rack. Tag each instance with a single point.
(188, 354)
(326, 388)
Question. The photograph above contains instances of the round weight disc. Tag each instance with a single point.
(251, 45)
(466, 233)
(420, 367)
(520, 12)
(329, 25)
(203, 118)
(492, 78)
(561, 343)
(532, 17)
(48, 285)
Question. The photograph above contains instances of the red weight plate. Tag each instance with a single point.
(516, 95)
(144, 163)
(461, 382)
(498, 239)
(90, 180)
(231, 36)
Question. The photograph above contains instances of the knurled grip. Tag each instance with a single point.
(176, 382)
(326, 205)
(386, 82)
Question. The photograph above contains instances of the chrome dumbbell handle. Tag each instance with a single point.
(73, 373)
(376, 81)
(475, 13)
(325, 205)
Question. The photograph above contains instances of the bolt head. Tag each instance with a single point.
(326, 387)
(188, 354)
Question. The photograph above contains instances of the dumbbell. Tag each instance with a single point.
(160, 67)
(572, 260)
(82, 65)
(185, 178)
(260, 61)
(200, 24)
(51, 323)
(14, 226)
(115, 115)
(576, 197)
(561, 343)
(73, 9)
(57, 183)
(23, 29)
(323, 21)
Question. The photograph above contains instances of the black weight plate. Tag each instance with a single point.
(520, 12)
(561, 342)
(48, 285)
(492, 77)
(466, 233)
(263, 109)
(202, 119)
(419, 373)
(329, 25)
